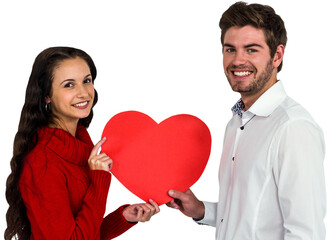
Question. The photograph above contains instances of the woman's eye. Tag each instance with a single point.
(68, 85)
(88, 80)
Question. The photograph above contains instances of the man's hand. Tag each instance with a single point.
(187, 203)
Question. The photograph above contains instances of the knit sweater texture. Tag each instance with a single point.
(63, 197)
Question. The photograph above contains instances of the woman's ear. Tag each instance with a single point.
(47, 100)
(278, 58)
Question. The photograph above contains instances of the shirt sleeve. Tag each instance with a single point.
(299, 175)
(49, 210)
(210, 214)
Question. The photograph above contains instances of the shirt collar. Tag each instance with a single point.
(238, 108)
(265, 104)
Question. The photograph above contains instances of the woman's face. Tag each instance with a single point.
(72, 92)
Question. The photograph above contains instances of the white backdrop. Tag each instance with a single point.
(159, 57)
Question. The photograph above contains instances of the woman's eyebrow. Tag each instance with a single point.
(67, 80)
(73, 80)
(88, 75)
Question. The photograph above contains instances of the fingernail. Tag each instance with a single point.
(171, 192)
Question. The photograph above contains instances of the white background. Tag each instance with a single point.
(159, 57)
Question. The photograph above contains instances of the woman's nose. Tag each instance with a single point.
(82, 91)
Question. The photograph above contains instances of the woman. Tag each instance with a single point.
(59, 183)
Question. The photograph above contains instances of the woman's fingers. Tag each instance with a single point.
(97, 146)
(155, 205)
(99, 161)
(141, 212)
(147, 210)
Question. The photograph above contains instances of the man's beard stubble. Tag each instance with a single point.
(258, 82)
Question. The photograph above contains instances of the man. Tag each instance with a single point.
(271, 175)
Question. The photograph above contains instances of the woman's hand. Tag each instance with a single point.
(141, 212)
(99, 161)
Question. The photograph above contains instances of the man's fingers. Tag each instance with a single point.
(172, 204)
(179, 195)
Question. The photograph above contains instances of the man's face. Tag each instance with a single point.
(247, 61)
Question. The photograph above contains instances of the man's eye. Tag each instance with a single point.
(230, 50)
(251, 50)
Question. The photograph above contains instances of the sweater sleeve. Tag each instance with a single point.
(49, 209)
(115, 224)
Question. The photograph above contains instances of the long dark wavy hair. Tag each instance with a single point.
(34, 116)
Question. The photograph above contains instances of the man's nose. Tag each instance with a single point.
(239, 58)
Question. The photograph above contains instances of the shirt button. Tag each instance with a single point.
(221, 220)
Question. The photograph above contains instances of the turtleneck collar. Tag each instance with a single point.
(72, 149)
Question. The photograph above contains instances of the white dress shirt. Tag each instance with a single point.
(271, 174)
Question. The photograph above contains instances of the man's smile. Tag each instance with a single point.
(241, 73)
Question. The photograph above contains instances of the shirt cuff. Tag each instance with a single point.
(210, 214)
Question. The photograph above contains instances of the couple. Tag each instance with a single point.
(271, 172)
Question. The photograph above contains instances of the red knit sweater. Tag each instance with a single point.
(64, 199)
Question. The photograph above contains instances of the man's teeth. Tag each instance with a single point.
(80, 104)
(242, 74)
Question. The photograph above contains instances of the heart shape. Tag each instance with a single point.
(150, 158)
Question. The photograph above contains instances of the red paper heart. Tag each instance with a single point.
(150, 158)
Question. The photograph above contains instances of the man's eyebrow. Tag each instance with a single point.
(228, 45)
(246, 46)
(253, 45)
